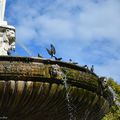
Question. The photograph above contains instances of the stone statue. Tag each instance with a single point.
(7, 33)
(103, 82)
(2, 9)
(7, 41)
(105, 86)
(55, 71)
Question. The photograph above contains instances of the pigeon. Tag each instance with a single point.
(51, 51)
(57, 58)
(85, 66)
(92, 69)
(39, 55)
(75, 63)
(70, 60)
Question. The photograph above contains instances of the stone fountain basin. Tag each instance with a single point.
(33, 89)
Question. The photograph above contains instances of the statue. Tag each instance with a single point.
(55, 71)
(7, 33)
(8, 42)
(105, 86)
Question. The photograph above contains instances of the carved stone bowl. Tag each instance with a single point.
(34, 89)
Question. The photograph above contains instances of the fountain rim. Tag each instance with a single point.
(46, 61)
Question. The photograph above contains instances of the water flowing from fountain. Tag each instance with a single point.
(25, 48)
(71, 108)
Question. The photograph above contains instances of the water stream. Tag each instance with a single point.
(71, 107)
(25, 48)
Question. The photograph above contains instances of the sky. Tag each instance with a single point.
(86, 31)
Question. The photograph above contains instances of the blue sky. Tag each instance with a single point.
(88, 31)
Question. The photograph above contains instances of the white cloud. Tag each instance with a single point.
(84, 20)
(103, 20)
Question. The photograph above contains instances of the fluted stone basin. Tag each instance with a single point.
(33, 89)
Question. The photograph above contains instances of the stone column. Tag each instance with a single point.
(2, 9)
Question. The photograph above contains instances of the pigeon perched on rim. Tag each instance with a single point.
(92, 69)
(57, 58)
(75, 63)
(51, 51)
(39, 56)
(85, 66)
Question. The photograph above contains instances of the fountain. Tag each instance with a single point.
(33, 88)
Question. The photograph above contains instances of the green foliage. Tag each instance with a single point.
(114, 113)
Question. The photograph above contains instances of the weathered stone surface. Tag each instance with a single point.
(7, 39)
(33, 89)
